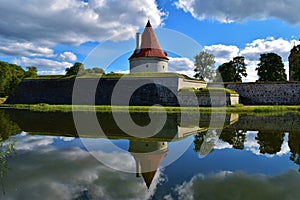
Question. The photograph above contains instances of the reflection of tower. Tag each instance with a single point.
(148, 156)
(148, 55)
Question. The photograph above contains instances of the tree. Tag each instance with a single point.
(232, 71)
(294, 64)
(204, 64)
(271, 68)
(11, 76)
(95, 70)
(18, 73)
(98, 70)
(5, 78)
(77, 68)
(31, 72)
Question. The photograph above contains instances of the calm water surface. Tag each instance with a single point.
(252, 157)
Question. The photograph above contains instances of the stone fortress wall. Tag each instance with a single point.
(150, 91)
(287, 93)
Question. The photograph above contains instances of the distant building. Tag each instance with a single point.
(148, 55)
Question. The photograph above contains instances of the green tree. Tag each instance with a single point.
(98, 70)
(5, 78)
(31, 72)
(294, 64)
(271, 68)
(77, 68)
(204, 65)
(18, 74)
(11, 76)
(95, 70)
(232, 71)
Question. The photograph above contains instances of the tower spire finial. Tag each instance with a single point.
(148, 24)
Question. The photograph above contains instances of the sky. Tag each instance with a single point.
(53, 34)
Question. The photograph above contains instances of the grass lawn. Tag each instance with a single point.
(2, 99)
(239, 109)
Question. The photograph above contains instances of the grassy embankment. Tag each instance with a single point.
(113, 75)
(239, 109)
(2, 99)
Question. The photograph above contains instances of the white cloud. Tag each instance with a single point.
(45, 66)
(280, 46)
(31, 30)
(67, 56)
(227, 11)
(75, 21)
(222, 52)
(181, 65)
(12, 48)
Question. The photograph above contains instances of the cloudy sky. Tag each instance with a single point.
(53, 34)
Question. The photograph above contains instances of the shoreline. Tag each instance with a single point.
(237, 109)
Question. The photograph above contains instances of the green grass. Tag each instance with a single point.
(207, 91)
(238, 109)
(112, 75)
(2, 99)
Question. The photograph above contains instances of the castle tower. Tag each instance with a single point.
(148, 55)
(148, 156)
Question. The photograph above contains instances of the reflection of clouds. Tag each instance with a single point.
(39, 171)
(252, 145)
(26, 142)
(229, 185)
(66, 139)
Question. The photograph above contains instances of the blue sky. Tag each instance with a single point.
(53, 34)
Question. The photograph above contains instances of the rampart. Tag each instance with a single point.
(89, 91)
(94, 91)
(266, 93)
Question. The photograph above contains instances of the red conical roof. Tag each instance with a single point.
(149, 163)
(150, 46)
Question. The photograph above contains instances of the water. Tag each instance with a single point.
(252, 157)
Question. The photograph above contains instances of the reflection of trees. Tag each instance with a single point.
(236, 138)
(198, 141)
(205, 142)
(6, 149)
(7, 126)
(270, 141)
(294, 144)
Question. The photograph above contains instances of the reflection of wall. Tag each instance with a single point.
(177, 126)
(288, 122)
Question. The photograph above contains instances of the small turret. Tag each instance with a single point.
(148, 55)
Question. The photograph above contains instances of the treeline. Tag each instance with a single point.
(269, 68)
(11, 75)
(79, 69)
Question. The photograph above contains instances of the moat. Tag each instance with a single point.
(250, 157)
